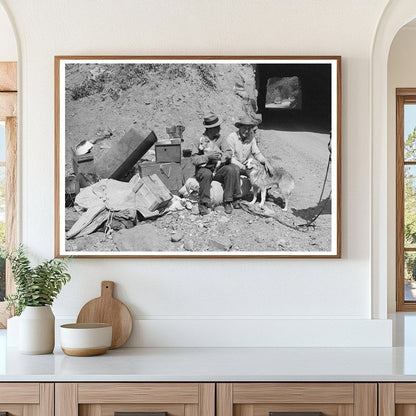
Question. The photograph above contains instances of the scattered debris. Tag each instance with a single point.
(177, 204)
(83, 147)
(103, 134)
(148, 195)
(175, 132)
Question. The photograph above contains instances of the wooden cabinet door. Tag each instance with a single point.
(145, 399)
(297, 399)
(397, 399)
(26, 399)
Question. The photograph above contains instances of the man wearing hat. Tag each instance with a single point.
(211, 156)
(243, 143)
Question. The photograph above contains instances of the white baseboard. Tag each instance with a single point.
(212, 332)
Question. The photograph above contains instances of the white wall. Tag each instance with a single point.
(203, 302)
(8, 46)
(401, 74)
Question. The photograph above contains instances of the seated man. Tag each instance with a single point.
(211, 156)
(243, 144)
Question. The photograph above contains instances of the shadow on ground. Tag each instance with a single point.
(293, 121)
(308, 214)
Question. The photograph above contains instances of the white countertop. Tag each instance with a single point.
(222, 364)
(215, 364)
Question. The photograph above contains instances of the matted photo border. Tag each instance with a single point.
(295, 110)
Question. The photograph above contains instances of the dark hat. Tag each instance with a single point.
(211, 120)
(246, 121)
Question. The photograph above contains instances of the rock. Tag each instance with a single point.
(189, 245)
(176, 237)
(258, 240)
(269, 220)
(219, 244)
(103, 134)
(142, 237)
(195, 210)
(219, 208)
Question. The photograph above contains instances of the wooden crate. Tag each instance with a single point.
(169, 173)
(151, 196)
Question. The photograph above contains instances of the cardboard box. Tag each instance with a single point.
(168, 152)
(169, 173)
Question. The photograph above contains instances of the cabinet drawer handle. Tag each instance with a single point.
(295, 413)
(139, 414)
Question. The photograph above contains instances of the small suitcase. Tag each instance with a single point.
(168, 152)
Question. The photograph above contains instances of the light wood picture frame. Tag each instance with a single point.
(129, 133)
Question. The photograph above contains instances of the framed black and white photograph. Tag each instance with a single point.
(198, 156)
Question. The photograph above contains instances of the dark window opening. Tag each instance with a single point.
(284, 93)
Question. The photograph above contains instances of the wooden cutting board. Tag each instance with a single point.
(108, 310)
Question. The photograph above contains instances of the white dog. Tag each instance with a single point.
(192, 187)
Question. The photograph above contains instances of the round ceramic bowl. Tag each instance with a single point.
(83, 340)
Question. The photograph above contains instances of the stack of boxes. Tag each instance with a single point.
(168, 164)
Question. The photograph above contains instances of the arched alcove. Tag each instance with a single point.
(396, 15)
(8, 44)
(401, 74)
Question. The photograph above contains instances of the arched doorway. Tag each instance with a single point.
(395, 16)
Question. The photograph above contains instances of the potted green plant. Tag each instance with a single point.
(36, 289)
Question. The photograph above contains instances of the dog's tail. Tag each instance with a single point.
(286, 183)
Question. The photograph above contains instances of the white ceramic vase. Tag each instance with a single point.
(37, 330)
